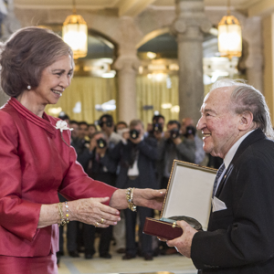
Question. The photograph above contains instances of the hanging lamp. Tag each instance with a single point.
(75, 33)
(229, 36)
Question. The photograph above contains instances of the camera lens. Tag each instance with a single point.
(101, 143)
(109, 123)
(134, 134)
(157, 127)
(174, 133)
(190, 130)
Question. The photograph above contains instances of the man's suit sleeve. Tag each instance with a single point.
(249, 239)
(148, 148)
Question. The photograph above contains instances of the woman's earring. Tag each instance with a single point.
(28, 87)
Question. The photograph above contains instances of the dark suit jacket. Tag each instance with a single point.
(146, 162)
(240, 239)
(103, 168)
(83, 153)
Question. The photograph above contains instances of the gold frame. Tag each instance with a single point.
(177, 163)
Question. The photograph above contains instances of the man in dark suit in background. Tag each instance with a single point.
(104, 170)
(235, 122)
(136, 157)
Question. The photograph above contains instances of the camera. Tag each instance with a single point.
(134, 133)
(109, 123)
(190, 130)
(108, 120)
(157, 127)
(174, 133)
(101, 143)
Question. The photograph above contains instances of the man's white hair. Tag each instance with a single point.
(246, 98)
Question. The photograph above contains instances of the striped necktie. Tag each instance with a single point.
(219, 173)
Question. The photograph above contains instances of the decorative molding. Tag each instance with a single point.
(191, 20)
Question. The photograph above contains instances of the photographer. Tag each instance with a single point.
(74, 240)
(158, 124)
(104, 170)
(172, 147)
(106, 124)
(188, 130)
(136, 156)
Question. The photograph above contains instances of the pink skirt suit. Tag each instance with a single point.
(35, 164)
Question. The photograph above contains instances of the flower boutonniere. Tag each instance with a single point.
(62, 125)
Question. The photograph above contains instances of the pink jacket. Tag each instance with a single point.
(35, 164)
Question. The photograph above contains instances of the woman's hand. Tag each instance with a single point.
(149, 198)
(92, 211)
(141, 197)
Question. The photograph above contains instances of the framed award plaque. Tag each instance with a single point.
(188, 198)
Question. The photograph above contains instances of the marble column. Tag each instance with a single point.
(255, 61)
(3, 98)
(10, 24)
(189, 26)
(127, 67)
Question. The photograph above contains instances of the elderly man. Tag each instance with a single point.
(235, 124)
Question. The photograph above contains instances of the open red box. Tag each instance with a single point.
(189, 194)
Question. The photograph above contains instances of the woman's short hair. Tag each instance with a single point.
(26, 54)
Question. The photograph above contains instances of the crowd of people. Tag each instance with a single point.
(125, 156)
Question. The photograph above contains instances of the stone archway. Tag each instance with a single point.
(152, 35)
(129, 33)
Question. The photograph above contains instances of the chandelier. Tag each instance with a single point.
(75, 33)
(230, 36)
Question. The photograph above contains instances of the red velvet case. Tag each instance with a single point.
(191, 186)
(161, 229)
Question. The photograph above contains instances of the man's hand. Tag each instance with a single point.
(92, 144)
(190, 137)
(167, 134)
(177, 140)
(136, 141)
(184, 242)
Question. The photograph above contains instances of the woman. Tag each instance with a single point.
(37, 162)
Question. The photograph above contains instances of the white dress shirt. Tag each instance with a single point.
(229, 156)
